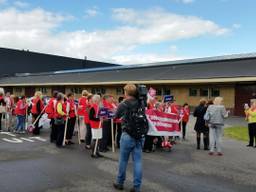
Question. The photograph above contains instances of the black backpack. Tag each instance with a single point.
(135, 122)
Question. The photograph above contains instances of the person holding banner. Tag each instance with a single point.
(96, 127)
(82, 103)
(59, 120)
(106, 126)
(148, 145)
(88, 136)
(9, 109)
(70, 108)
(37, 110)
(50, 112)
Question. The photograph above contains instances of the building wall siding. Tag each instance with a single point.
(180, 92)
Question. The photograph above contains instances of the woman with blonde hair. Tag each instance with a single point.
(82, 114)
(251, 118)
(214, 116)
(37, 109)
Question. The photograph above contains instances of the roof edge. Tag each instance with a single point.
(187, 81)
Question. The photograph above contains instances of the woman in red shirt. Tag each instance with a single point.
(37, 109)
(70, 107)
(185, 113)
(20, 112)
(82, 103)
(88, 137)
(95, 125)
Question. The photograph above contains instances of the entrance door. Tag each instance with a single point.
(243, 94)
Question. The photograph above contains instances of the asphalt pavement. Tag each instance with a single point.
(32, 164)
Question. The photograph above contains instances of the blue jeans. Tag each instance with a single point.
(130, 145)
(20, 122)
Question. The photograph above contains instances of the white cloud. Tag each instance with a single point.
(21, 4)
(38, 30)
(145, 58)
(91, 12)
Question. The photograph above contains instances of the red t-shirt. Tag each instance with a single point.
(82, 103)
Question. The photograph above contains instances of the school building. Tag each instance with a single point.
(232, 77)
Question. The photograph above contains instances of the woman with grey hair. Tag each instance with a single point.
(214, 116)
(96, 126)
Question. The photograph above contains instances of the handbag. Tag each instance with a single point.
(59, 121)
(2, 109)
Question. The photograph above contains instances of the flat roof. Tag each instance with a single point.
(233, 68)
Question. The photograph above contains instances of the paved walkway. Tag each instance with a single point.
(39, 166)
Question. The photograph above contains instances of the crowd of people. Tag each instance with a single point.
(68, 115)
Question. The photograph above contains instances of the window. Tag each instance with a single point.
(98, 90)
(167, 91)
(76, 90)
(215, 92)
(159, 91)
(192, 92)
(43, 90)
(18, 90)
(119, 91)
(204, 92)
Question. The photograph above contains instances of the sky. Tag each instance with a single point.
(130, 31)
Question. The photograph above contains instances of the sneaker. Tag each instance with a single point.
(94, 156)
(70, 143)
(146, 151)
(99, 155)
(220, 154)
(211, 153)
(249, 145)
(118, 186)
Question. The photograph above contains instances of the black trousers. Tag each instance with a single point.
(148, 145)
(70, 128)
(88, 136)
(184, 127)
(60, 134)
(37, 129)
(252, 133)
(206, 139)
(53, 135)
(106, 130)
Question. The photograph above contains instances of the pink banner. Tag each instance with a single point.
(163, 124)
